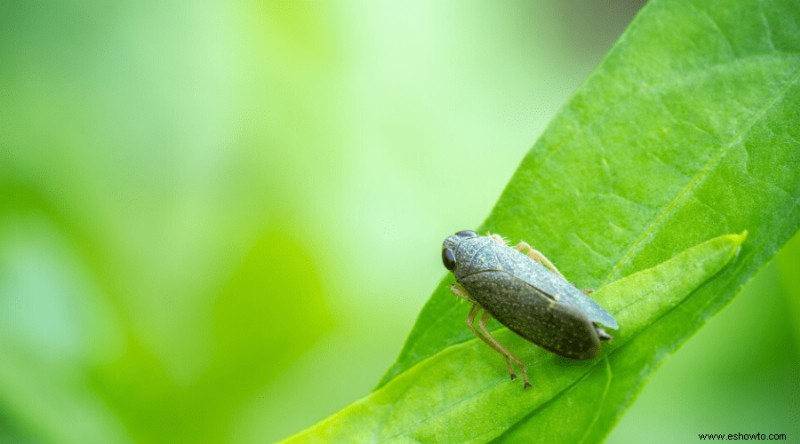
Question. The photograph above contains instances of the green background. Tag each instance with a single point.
(219, 221)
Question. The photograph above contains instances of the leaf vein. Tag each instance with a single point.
(698, 179)
(602, 400)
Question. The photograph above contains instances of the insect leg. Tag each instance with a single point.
(602, 333)
(497, 238)
(461, 292)
(489, 339)
(537, 256)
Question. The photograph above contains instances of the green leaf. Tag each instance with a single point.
(437, 399)
(689, 129)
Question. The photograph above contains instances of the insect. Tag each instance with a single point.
(526, 293)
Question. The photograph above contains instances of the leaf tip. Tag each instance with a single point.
(738, 239)
(735, 241)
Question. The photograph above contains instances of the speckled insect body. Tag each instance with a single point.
(527, 294)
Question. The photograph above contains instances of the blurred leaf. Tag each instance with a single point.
(689, 129)
(787, 264)
(52, 323)
(260, 323)
(281, 290)
(451, 396)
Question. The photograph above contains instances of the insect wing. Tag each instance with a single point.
(537, 275)
(589, 307)
(562, 329)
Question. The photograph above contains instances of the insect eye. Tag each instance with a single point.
(449, 259)
(466, 234)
